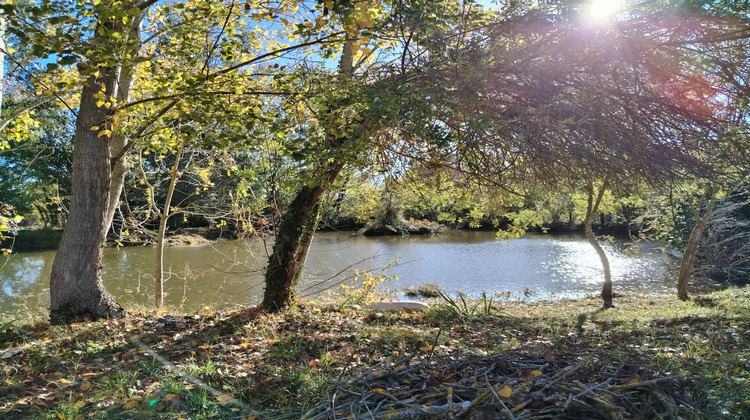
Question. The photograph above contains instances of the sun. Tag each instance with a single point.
(603, 9)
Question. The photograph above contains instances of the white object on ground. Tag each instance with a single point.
(399, 305)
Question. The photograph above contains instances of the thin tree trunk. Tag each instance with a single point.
(688, 258)
(591, 209)
(76, 288)
(163, 218)
(292, 243)
(118, 141)
(3, 27)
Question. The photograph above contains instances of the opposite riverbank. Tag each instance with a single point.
(648, 357)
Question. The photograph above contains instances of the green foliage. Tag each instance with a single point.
(520, 222)
(670, 214)
(461, 307)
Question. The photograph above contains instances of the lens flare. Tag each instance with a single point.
(603, 9)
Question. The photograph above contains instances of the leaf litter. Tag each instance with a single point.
(542, 360)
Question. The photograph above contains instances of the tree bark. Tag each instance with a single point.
(296, 232)
(76, 288)
(3, 27)
(299, 221)
(119, 141)
(591, 210)
(688, 258)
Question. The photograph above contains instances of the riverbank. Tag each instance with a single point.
(648, 356)
(28, 240)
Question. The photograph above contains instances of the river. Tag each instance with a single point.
(229, 273)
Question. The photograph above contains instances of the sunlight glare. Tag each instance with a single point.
(603, 9)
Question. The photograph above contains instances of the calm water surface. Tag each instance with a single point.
(229, 273)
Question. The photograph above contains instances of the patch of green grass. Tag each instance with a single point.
(461, 307)
(292, 348)
(172, 385)
(120, 384)
(205, 367)
(151, 368)
(67, 408)
(301, 385)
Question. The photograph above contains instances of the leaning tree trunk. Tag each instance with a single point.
(591, 210)
(299, 221)
(688, 258)
(76, 288)
(296, 230)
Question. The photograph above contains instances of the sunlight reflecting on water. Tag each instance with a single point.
(229, 273)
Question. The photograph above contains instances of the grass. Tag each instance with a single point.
(429, 290)
(245, 363)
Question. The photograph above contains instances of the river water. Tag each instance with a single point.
(229, 273)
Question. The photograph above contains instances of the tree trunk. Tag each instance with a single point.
(3, 27)
(76, 289)
(688, 258)
(591, 210)
(296, 231)
(299, 221)
(119, 141)
(163, 218)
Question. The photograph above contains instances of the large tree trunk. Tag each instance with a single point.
(591, 210)
(76, 289)
(292, 242)
(688, 258)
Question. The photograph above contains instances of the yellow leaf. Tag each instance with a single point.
(94, 127)
(505, 392)
(737, 369)
(535, 373)
(85, 386)
(130, 404)
(60, 416)
(378, 391)
(80, 404)
(104, 133)
(10, 50)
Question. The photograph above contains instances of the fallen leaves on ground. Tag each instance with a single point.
(554, 356)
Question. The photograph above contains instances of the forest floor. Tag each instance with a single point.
(647, 358)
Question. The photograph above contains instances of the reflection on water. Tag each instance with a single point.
(229, 273)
